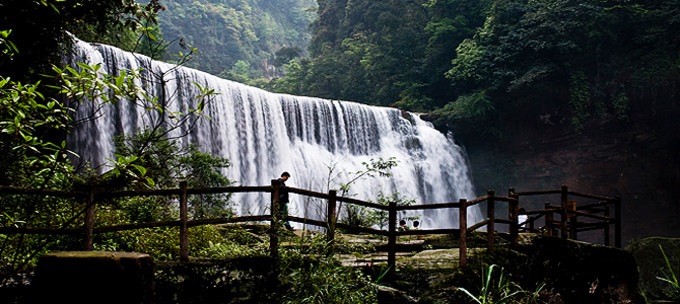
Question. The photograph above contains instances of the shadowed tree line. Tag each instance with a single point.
(480, 66)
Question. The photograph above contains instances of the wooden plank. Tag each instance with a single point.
(428, 231)
(46, 231)
(392, 236)
(274, 222)
(89, 223)
(430, 206)
(590, 215)
(183, 228)
(50, 192)
(331, 219)
(480, 225)
(490, 215)
(541, 192)
(462, 226)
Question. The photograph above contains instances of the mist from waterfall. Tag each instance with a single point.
(263, 134)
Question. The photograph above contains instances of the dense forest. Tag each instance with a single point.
(483, 63)
(469, 64)
(237, 39)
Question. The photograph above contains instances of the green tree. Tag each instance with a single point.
(563, 61)
(40, 28)
(387, 52)
(226, 32)
(285, 54)
(149, 159)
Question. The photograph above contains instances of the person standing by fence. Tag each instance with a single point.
(283, 199)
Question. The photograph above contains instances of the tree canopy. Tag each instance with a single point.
(40, 28)
(480, 65)
(228, 31)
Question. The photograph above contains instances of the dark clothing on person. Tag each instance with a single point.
(283, 203)
(283, 192)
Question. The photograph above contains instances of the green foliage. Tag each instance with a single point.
(237, 280)
(469, 56)
(239, 72)
(491, 65)
(8, 47)
(40, 28)
(151, 160)
(20, 252)
(285, 54)
(31, 157)
(202, 170)
(357, 215)
(139, 33)
(381, 217)
(374, 167)
(386, 52)
(31, 122)
(580, 99)
(299, 276)
(28, 157)
(496, 287)
(309, 280)
(577, 59)
(668, 275)
(226, 32)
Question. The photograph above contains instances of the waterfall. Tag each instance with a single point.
(263, 134)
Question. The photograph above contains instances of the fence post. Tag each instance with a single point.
(606, 226)
(183, 218)
(513, 209)
(330, 233)
(274, 223)
(462, 226)
(549, 231)
(88, 243)
(563, 205)
(573, 220)
(392, 236)
(617, 222)
(491, 215)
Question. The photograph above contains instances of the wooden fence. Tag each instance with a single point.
(568, 212)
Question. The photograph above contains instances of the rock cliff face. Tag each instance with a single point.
(637, 160)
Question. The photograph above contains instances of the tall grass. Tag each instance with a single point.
(670, 277)
(497, 288)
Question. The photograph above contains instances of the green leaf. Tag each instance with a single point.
(142, 170)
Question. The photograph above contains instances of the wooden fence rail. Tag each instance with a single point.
(567, 211)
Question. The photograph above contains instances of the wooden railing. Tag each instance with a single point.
(568, 212)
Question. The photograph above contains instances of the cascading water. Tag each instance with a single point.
(263, 134)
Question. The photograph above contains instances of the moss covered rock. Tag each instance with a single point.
(652, 266)
(571, 271)
(582, 272)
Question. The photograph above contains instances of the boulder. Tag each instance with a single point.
(578, 272)
(94, 277)
(652, 266)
